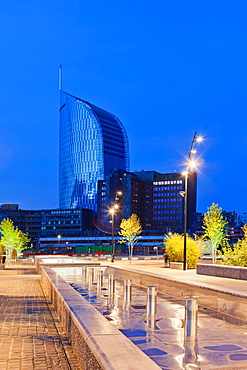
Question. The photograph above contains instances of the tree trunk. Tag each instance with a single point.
(130, 251)
(214, 254)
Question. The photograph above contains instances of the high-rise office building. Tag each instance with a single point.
(92, 141)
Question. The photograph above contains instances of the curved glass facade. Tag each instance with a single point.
(92, 141)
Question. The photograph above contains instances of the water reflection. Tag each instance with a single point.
(164, 336)
(190, 351)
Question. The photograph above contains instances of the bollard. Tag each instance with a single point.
(151, 300)
(99, 279)
(95, 276)
(191, 315)
(99, 282)
(87, 276)
(91, 271)
(111, 284)
(127, 290)
(126, 307)
(84, 272)
(90, 277)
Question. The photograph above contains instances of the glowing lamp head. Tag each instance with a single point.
(192, 164)
(199, 138)
(113, 209)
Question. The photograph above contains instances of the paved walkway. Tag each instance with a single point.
(189, 276)
(31, 336)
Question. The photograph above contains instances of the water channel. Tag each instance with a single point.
(219, 343)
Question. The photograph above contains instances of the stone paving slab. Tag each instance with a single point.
(30, 336)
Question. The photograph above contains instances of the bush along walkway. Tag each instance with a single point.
(31, 336)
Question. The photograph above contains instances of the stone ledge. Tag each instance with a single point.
(231, 272)
(176, 265)
(97, 343)
(54, 261)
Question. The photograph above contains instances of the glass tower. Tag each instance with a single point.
(92, 141)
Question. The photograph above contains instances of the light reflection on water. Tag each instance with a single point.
(162, 338)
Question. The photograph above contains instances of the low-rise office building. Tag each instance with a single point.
(48, 222)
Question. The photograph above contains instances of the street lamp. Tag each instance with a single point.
(118, 193)
(58, 239)
(112, 212)
(156, 250)
(190, 164)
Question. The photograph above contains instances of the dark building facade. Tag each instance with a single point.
(92, 141)
(49, 223)
(156, 198)
(122, 188)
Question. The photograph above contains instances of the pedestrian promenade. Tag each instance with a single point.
(31, 336)
(189, 276)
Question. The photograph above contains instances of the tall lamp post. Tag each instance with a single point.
(58, 240)
(189, 165)
(112, 212)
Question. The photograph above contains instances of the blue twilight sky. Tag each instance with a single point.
(165, 68)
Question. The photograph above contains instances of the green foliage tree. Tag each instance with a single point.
(23, 240)
(130, 231)
(9, 236)
(12, 239)
(236, 255)
(214, 225)
(174, 246)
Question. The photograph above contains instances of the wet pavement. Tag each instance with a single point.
(221, 339)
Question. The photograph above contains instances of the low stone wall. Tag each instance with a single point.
(97, 343)
(232, 272)
(225, 300)
(54, 261)
(176, 265)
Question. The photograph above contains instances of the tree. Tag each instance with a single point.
(23, 240)
(12, 239)
(236, 255)
(130, 231)
(214, 225)
(9, 236)
(174, 246)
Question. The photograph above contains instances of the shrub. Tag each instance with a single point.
(174, 246)
(236, 255)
